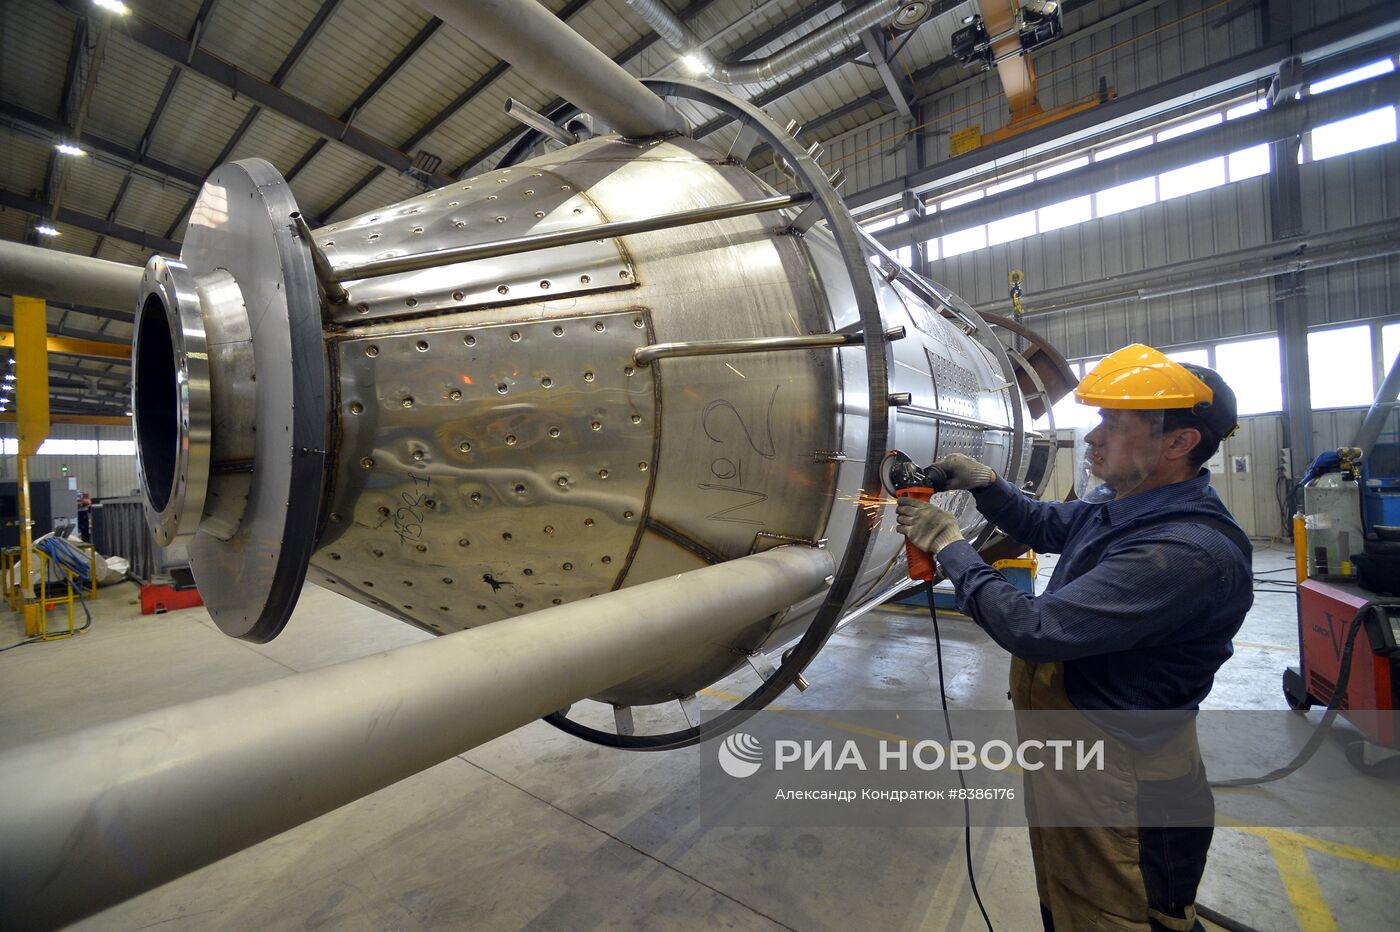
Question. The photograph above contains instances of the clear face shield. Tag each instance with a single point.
(1115, 456)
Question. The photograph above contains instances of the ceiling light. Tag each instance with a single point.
(66, 148)
(9, 376)
(113, 6)
(44, 229)
(696, 62)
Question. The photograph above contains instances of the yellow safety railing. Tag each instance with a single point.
(45, 564)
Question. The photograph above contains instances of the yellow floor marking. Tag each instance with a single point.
(1335, 849)
(1300, 884)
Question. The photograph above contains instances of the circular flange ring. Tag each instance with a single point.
(170, 401)
(853, 257)
(241, 223)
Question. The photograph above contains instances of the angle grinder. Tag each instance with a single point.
(902, 477)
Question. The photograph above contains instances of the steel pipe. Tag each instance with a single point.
(1386, 400)
(551, 55)
(114, 810)
(68, 279)
(646, 355)
(836, 36)
(539, 122)
(534, 241)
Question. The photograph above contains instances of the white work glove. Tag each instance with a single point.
(964, 472)
(927, 526)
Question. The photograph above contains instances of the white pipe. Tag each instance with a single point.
(552, 56)
(60, 276)
(92, 818)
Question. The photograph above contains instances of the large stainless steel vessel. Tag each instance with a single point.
(459, 441)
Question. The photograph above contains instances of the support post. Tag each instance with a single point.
(32, 391)
(1290, 306)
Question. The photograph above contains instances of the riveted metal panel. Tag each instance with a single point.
(513, 203)
(491, 471)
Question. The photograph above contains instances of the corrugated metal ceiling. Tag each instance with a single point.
(350, 52)
(351, 49)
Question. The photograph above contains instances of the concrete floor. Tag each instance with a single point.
(538, 830)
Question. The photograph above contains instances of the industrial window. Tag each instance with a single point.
(1251, 368)
(1247, 163)
(1123, 197)
(1390, 346)
(1001, 186)
(1181, 129)
(1340, 368)
(957, 200)
(58, 446)
(955, 244)
(1354, 134)
(1361, 132)
(1383, 66)
(1009, 228)
(1191, 178)
(1131, 146)
(1065, 213)
(1068, 412)
(1196, 357)
(905, 254)
(1060, 169)
(55, 446)
(1248, 109)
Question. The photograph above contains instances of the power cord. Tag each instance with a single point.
(962, 781)
(82, 601)
(1339, 698)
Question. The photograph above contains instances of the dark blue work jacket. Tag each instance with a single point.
(1140, 610)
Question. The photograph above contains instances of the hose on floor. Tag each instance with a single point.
(1339, 696)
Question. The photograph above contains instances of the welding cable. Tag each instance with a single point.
(1225, 922)
(59, 554)
(962, 781)
(1339, 696)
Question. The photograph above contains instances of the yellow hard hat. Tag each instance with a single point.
(1142, 378)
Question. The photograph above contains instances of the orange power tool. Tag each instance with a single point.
(903, 477)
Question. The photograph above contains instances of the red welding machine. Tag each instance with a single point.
(1326, 613)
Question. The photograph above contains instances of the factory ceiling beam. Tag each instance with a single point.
(60, 416)
(876, 43)
(69, 307)
(98, 225)
(288, 63)
(860, 103)
(1376, 24)
(122, 380)
(348, 115)
(461, 100)
(187, 54)
(54, 129)
(70, 346)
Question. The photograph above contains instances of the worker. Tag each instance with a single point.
(1154, 580)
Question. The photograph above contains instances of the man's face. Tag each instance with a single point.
(1125, 447)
